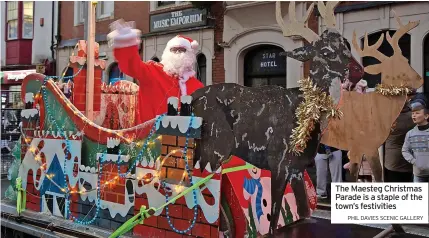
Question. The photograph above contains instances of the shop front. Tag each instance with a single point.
(191, 22)
(11, 86)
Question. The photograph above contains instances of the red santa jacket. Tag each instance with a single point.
(156, 86)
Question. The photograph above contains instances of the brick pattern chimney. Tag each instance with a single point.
(79, 86)
(174, 129)
(174, 140)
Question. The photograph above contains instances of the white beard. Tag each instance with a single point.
(181, 64)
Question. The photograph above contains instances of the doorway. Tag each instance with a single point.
(263, 65)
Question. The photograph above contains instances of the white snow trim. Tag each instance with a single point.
(56, 134)
(208, 168)
(113, 158)
(27, 113)
(186, 99)
(29, 97)
(173, 101)
(88, 169)
(112, 142)
(181, 122)
(197, 165)
(194, 45)
(179, 42)
(182, 42)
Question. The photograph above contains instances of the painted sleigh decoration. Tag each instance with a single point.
(274, 190)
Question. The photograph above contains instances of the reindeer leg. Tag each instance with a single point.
(298, 186)
(355, 161)
(278, 186)
(374, 163)
(280, 168)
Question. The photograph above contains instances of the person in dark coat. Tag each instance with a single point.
(397, 169)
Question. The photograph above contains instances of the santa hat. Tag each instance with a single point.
(182, 41)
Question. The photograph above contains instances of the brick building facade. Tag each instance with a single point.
(72, 30)
(207, 31)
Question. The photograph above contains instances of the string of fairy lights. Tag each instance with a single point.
(68, 147)
(131, 149)
(194, 193)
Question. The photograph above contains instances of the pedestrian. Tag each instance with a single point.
(416, 145)
(397, 169)
(327, 157)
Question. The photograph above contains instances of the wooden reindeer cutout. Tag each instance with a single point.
(256, 124)
(332, 61)
(368, 118)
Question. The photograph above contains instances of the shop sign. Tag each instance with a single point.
(14, 76)
(186, 18)
(267, 62)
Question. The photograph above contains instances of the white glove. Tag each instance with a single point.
(123, 34)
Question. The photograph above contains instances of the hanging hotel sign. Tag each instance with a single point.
(178, 20)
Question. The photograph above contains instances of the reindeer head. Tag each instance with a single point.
(395, 70)
(332, 60)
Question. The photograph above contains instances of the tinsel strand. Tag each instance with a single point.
(309, 113)
(391, 90)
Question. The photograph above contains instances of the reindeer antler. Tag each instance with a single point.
(295, 28)
(327, 12)
(369, 50)
(394, 41)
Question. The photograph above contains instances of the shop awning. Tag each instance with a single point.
(10, 77)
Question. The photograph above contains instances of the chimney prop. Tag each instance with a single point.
(174, 129)
(79, 90)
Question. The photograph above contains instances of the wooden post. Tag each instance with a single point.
(89, 112)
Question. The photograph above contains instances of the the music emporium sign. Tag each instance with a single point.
(186, 18)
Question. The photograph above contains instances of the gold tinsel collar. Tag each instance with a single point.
(309, 112)
(390, 90)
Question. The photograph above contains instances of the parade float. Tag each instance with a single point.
(217, 164)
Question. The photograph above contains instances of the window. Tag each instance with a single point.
(202, 68)
(27, 24)
(12, 20)
(105, 9)
(115, 74)
(15, 96)
(79, 12)
(165, 3)
(156, 5)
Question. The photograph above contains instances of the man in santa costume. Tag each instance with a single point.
(173, 76)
